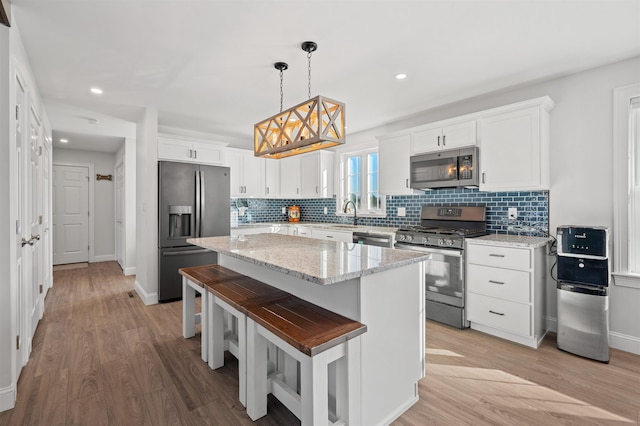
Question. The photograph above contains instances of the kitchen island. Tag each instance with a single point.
(382, 288)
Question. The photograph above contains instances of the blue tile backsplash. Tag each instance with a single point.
(533, 209)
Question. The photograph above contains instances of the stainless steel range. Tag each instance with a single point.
(441, 233)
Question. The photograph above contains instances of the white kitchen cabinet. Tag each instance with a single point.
(506, 290)
(247, 173)
(393, 157)
(177, 148)
(514, 147)
(331, 235)
(308, 175)
(438, 138)
(271, 178)
(300, 231)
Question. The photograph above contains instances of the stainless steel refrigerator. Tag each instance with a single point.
(193, 201)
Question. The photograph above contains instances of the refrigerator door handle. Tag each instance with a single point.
(198, 201)
(180, 253)
(202, 202)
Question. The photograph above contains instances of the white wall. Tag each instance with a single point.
(581, 163)
(103, 209)
(147, 207)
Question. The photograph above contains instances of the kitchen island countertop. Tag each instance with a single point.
(317, 261)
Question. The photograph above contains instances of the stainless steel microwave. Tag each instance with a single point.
(445, 169)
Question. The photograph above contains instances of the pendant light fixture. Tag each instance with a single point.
(311, 125)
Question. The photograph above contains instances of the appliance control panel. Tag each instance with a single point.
(583, 241)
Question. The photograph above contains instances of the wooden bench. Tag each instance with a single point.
(315, 337)
(223, 291)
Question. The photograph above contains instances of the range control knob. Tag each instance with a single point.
(400, 237)
(440, 241)
(409, 238)
(449, 242)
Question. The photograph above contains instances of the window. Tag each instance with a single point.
(626, 153)
(359, 183)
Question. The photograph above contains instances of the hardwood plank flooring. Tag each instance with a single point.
(100, 357)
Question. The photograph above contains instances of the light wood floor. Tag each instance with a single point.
(101, 357)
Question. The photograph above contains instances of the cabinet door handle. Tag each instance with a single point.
(316, 189)
(297, 190)
(444, 140)
(190, 153)
(267, 189)
(483, 178)
(497, 313)
(496, 255)
(329, 236)
(496, 282)
(438, 140)
(406, 183)
(195, 154)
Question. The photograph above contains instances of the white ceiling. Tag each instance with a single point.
(208, 65)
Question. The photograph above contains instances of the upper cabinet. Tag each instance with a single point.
(178, 148)
(308, 175)
(271, 177)
(247, 173)
(514, 146)
(394, 156)
(436, 138)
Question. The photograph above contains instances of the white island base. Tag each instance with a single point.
(391, 304)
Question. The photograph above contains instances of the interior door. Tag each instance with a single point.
(35, 217)
(21, 249)
(70, 214)
(47, 272)
(120, 237)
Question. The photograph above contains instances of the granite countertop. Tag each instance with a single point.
(511, 240)
(324, 225)
(317, 261)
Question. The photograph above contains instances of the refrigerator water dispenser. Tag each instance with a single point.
(180, 221)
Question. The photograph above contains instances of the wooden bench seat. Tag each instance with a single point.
(314, 337)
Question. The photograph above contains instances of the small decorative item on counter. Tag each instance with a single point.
(294, 214)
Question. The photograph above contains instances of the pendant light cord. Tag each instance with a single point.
(309, 58)
(281, 92)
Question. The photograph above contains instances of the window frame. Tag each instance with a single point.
(363, 151)
(622, 149)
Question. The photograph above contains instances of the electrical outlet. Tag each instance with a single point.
(402, 211)
(513, 213)
(284, 210)
(325, 210)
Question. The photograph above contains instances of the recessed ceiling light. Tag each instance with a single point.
(64, 140)
(401, 76)
(96, 90)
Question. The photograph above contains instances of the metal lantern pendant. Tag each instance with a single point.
(314, 124)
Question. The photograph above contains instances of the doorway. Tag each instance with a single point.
(70, 214)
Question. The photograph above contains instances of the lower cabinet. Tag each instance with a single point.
(326, 234)
(506, 291)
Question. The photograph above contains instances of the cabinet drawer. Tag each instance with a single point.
(501, 314)
(505, 284)
(502, 257)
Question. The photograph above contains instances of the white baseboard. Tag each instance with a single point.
(103, 258)
(7, 398)
(129, 271)
(147, 298)
(624, 342)
(552, 324)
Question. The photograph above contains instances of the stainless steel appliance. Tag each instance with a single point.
(193, 201)
(380, 240)
(441, 233)
(450, 168)
(583, 291)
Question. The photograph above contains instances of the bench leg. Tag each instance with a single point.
(216, 333)
(204, 326)
(314, 390)
(256, 372)
(188, 310)
(241, 322)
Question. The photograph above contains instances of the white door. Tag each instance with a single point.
(22, 248)
(35, 291)
(70, 214)
(120, 237)
(46, 214)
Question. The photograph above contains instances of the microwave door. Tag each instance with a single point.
(434, 171)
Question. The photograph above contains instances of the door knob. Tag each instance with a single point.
(25, 242)
(35, 237)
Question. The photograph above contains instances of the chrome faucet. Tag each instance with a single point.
(355, 211)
